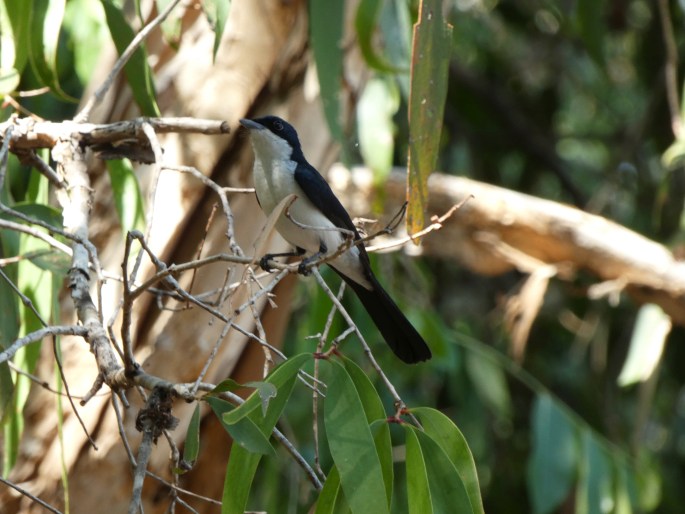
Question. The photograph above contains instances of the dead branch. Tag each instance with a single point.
(496, 220)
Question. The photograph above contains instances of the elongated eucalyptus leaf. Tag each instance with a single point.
(331, 500)
(443, 431)
(429, 69)
(128, 199)
(16, 19)
(217, 13)
(326, 21)
(365, 23)
(192, 443)
(242, 464)
(138, 73)
(418, 488)
(279, 377)
(351, 444)
(44, 28)
(376, 417)
(447, 490)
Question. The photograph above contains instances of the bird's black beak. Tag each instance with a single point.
(250, 124)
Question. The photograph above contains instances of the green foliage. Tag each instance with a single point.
(326, 34)
(430, 61)
(136, 69)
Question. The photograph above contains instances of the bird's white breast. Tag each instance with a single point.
(274, 179)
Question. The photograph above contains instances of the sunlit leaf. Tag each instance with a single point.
(351, 444)
(9, 80)
(171, 27)
(429, 69)
(15, 17)
(45, 25)
(646, 344)
(217, 13)
(138, 73)
(128, 200)
(375, 111)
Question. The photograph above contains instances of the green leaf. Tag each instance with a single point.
(242, 464)
(447, 491)
(429, 72)
(6, 390)
(172, 25)
(226, 385)
(279, 377)
(217, 13)
(418, 488)
(326, 21)
(351, 444)
(490, 384)
(245, 432)
(375, 111)
(442, 430)
(138, 73)
(15, 17)
(376, 417)
(128, 199)
(595, 483)
(365, 23)
(652, 326)
(589, 18)
(331, 499)
(44, 28)
(191, 449)
(553, 463)
(9, 81)
(50, 260)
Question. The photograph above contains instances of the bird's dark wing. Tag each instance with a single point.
(320, 194)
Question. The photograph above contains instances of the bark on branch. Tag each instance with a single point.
(499, 230)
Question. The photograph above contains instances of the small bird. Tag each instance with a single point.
(280, 169)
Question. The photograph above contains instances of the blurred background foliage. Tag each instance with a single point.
(562, 99)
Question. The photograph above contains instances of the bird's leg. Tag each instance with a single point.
(264, 261)
(303, 268)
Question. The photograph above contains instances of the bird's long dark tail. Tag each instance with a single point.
(395, 328)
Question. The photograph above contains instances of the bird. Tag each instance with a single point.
(317, 224)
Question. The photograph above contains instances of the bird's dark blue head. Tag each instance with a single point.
(281, 129)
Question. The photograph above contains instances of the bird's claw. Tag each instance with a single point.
(264, 263)
(304, 269)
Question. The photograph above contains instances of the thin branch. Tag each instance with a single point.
(60, 330)
(32, 497)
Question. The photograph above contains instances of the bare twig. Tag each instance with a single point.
(60, 330)
(33, 497)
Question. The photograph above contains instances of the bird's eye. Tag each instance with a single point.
(278, 125)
